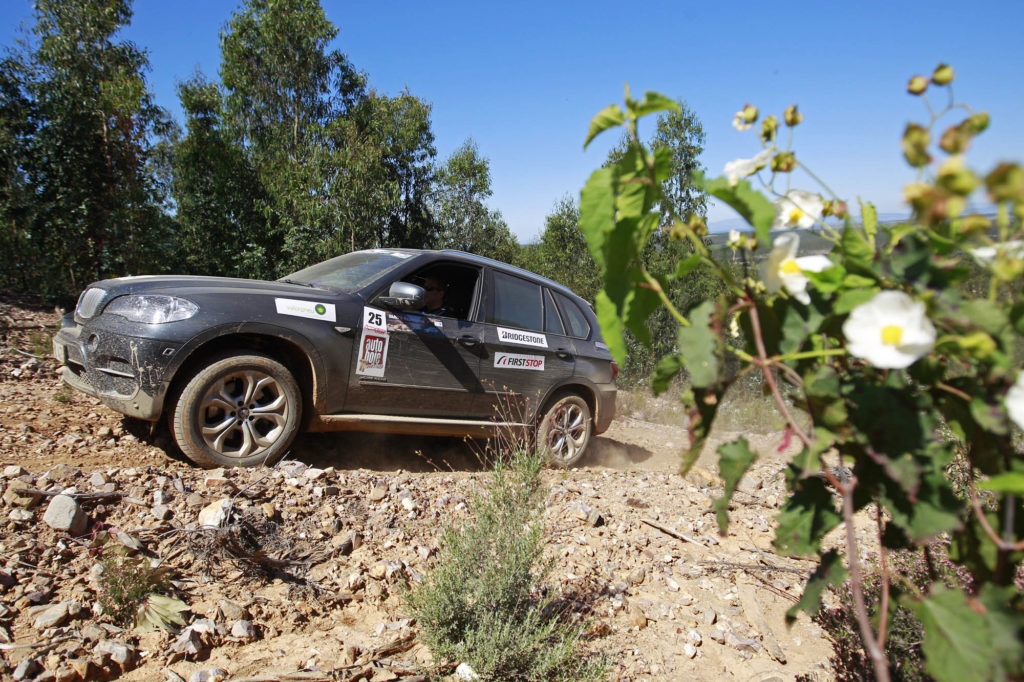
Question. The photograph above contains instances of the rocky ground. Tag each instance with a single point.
(296, 572)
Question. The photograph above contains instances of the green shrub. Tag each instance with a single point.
(482, 602)
(912, 572)
(126, 583)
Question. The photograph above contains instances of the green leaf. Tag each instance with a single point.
(652, 102)
(799, 322)
(611, 326)
(686, 266)
(989, 417)
(857, 251)
(1002, 611)
(609, 117)
(597, 211)
(851, 298)
(829, 573)
(1010, 482)
(852, 281)
(869, 217)
(806, 517)
(829, 279)
(698, 346)
(957, 641)
(748, 202)
(734, 460)
(989, 315)
(667, 369)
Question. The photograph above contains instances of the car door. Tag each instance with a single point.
(413, 364)
(527, 348)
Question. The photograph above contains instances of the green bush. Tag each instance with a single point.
(482, 602)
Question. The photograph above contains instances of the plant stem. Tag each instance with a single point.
(655, 286)
(764, 363)
(883, 620)
(803, 355)
(878, 660)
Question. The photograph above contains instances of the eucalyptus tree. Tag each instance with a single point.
(463, 218)
(95, 204)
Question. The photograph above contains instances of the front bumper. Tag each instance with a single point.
(127, 373)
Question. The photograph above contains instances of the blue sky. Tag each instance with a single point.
(523, 79)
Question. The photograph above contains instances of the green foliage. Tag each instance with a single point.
(888, 343)
(482, 602)
(463, 220)
(126, 584)
(80, 199)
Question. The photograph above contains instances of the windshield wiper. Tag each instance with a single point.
(301, 284)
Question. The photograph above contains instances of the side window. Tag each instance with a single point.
(575, 319)
(517, 303)
(552, 323)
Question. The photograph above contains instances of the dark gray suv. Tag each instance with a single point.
(387, 340)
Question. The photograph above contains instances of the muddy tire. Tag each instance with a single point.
(565, 430)
(239, 411)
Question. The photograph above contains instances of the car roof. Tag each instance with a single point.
(483, 260)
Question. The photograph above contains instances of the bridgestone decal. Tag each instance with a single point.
(522, 338)
(373, 344)
(512, 361)
(314, 310)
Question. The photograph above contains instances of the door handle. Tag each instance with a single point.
(468, 340)
(563, 353)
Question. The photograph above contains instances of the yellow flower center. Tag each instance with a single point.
(789, 267)
(795, 215)
(891, 334)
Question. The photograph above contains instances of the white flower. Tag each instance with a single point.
(741, 168)
(986, 255)
(785, 271)
(1015, 401)
(739, 122)
(891, 331)
(797, 209)
(734, 238)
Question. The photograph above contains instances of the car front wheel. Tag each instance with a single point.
(242, 410)
(565, 429)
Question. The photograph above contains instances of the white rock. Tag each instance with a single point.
(215, 513)
(465, 673)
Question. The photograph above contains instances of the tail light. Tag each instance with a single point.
(615, 370)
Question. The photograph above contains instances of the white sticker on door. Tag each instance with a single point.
(522, 338)
(373, 344)
(513, 361)
(311, 309)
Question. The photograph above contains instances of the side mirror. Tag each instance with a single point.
(404, 296)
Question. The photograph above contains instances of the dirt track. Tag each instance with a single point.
(649, 591)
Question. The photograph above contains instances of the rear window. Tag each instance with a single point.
(574, 317)
(517, 303)
(552, 323)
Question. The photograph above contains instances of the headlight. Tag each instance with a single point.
(152, 309)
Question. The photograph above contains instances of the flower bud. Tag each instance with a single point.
(956, 139)
(749, 113)
(917, 85)
(1006, 183)
(978, 345)
(834, 207)
(915, 145)
(768, 128)
(698, 224)
(977, 123)
(943, 74)
(974, 225)
(783, 162)
(792, 116)
(956, 178)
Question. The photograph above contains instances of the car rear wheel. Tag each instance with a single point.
(565, 430)
(242, 410)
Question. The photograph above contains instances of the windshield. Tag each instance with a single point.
(349, 272)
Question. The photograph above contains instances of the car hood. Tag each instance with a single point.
(183, 285)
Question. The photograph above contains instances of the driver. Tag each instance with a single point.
(434, 303)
